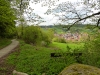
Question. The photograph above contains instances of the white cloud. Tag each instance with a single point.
(50, 19)
(38, 9)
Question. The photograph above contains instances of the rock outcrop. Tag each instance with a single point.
(19, 73)
(80, 69)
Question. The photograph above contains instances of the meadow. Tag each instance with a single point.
(36, 60)
(72, 46)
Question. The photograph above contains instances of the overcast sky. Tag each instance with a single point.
(50, 19)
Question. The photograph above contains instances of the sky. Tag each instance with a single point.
(40, 10)
(50, 19)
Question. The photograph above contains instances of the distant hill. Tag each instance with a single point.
(76, 28)
(61, 26)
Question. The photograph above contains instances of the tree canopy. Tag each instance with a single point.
(7, 17)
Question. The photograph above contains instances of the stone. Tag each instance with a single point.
(19, 73)
(80, 69)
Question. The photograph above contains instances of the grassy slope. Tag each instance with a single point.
(4, 42)
(36, 60)
(72, 46)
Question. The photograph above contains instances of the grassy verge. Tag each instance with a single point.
(36, 60)
(4, 42)
(72, 46)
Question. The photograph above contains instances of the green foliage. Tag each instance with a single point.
(7, 24)
(32, 34)
(4, 42)
(59, 40)
(19, 31)
(47, 36)
(36, 60)
(35, 35)
(91, 53)
(68, 46)
(89, 26)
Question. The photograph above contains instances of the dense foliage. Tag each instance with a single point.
(35, 35)
(36, 60)
(91, 55)
(4, 42)
(32, 34)
(7, 17)
(60, 40)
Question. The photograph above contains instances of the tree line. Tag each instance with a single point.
(9, 15)
(7, 19)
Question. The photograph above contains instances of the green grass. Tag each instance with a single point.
(4, 42)
(72, 46)
(36, 60)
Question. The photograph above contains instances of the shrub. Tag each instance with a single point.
(91, 53)
(35, 35)
(60, 40)
(48, 36)
(32, 34)
(46, 39)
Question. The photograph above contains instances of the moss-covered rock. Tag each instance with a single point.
(80, 69)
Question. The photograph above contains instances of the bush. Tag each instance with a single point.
(34, 35)
(46, 39)
(91, 55)
(60, 40)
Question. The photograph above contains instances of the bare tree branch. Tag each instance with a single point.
(98, 13)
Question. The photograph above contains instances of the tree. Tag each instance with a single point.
(22, 8)
(7, 17)
(68, 12)
(77, 12)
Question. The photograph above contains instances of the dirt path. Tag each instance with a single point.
(6, 69)
(5, 51)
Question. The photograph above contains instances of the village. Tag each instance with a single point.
(72, 36)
